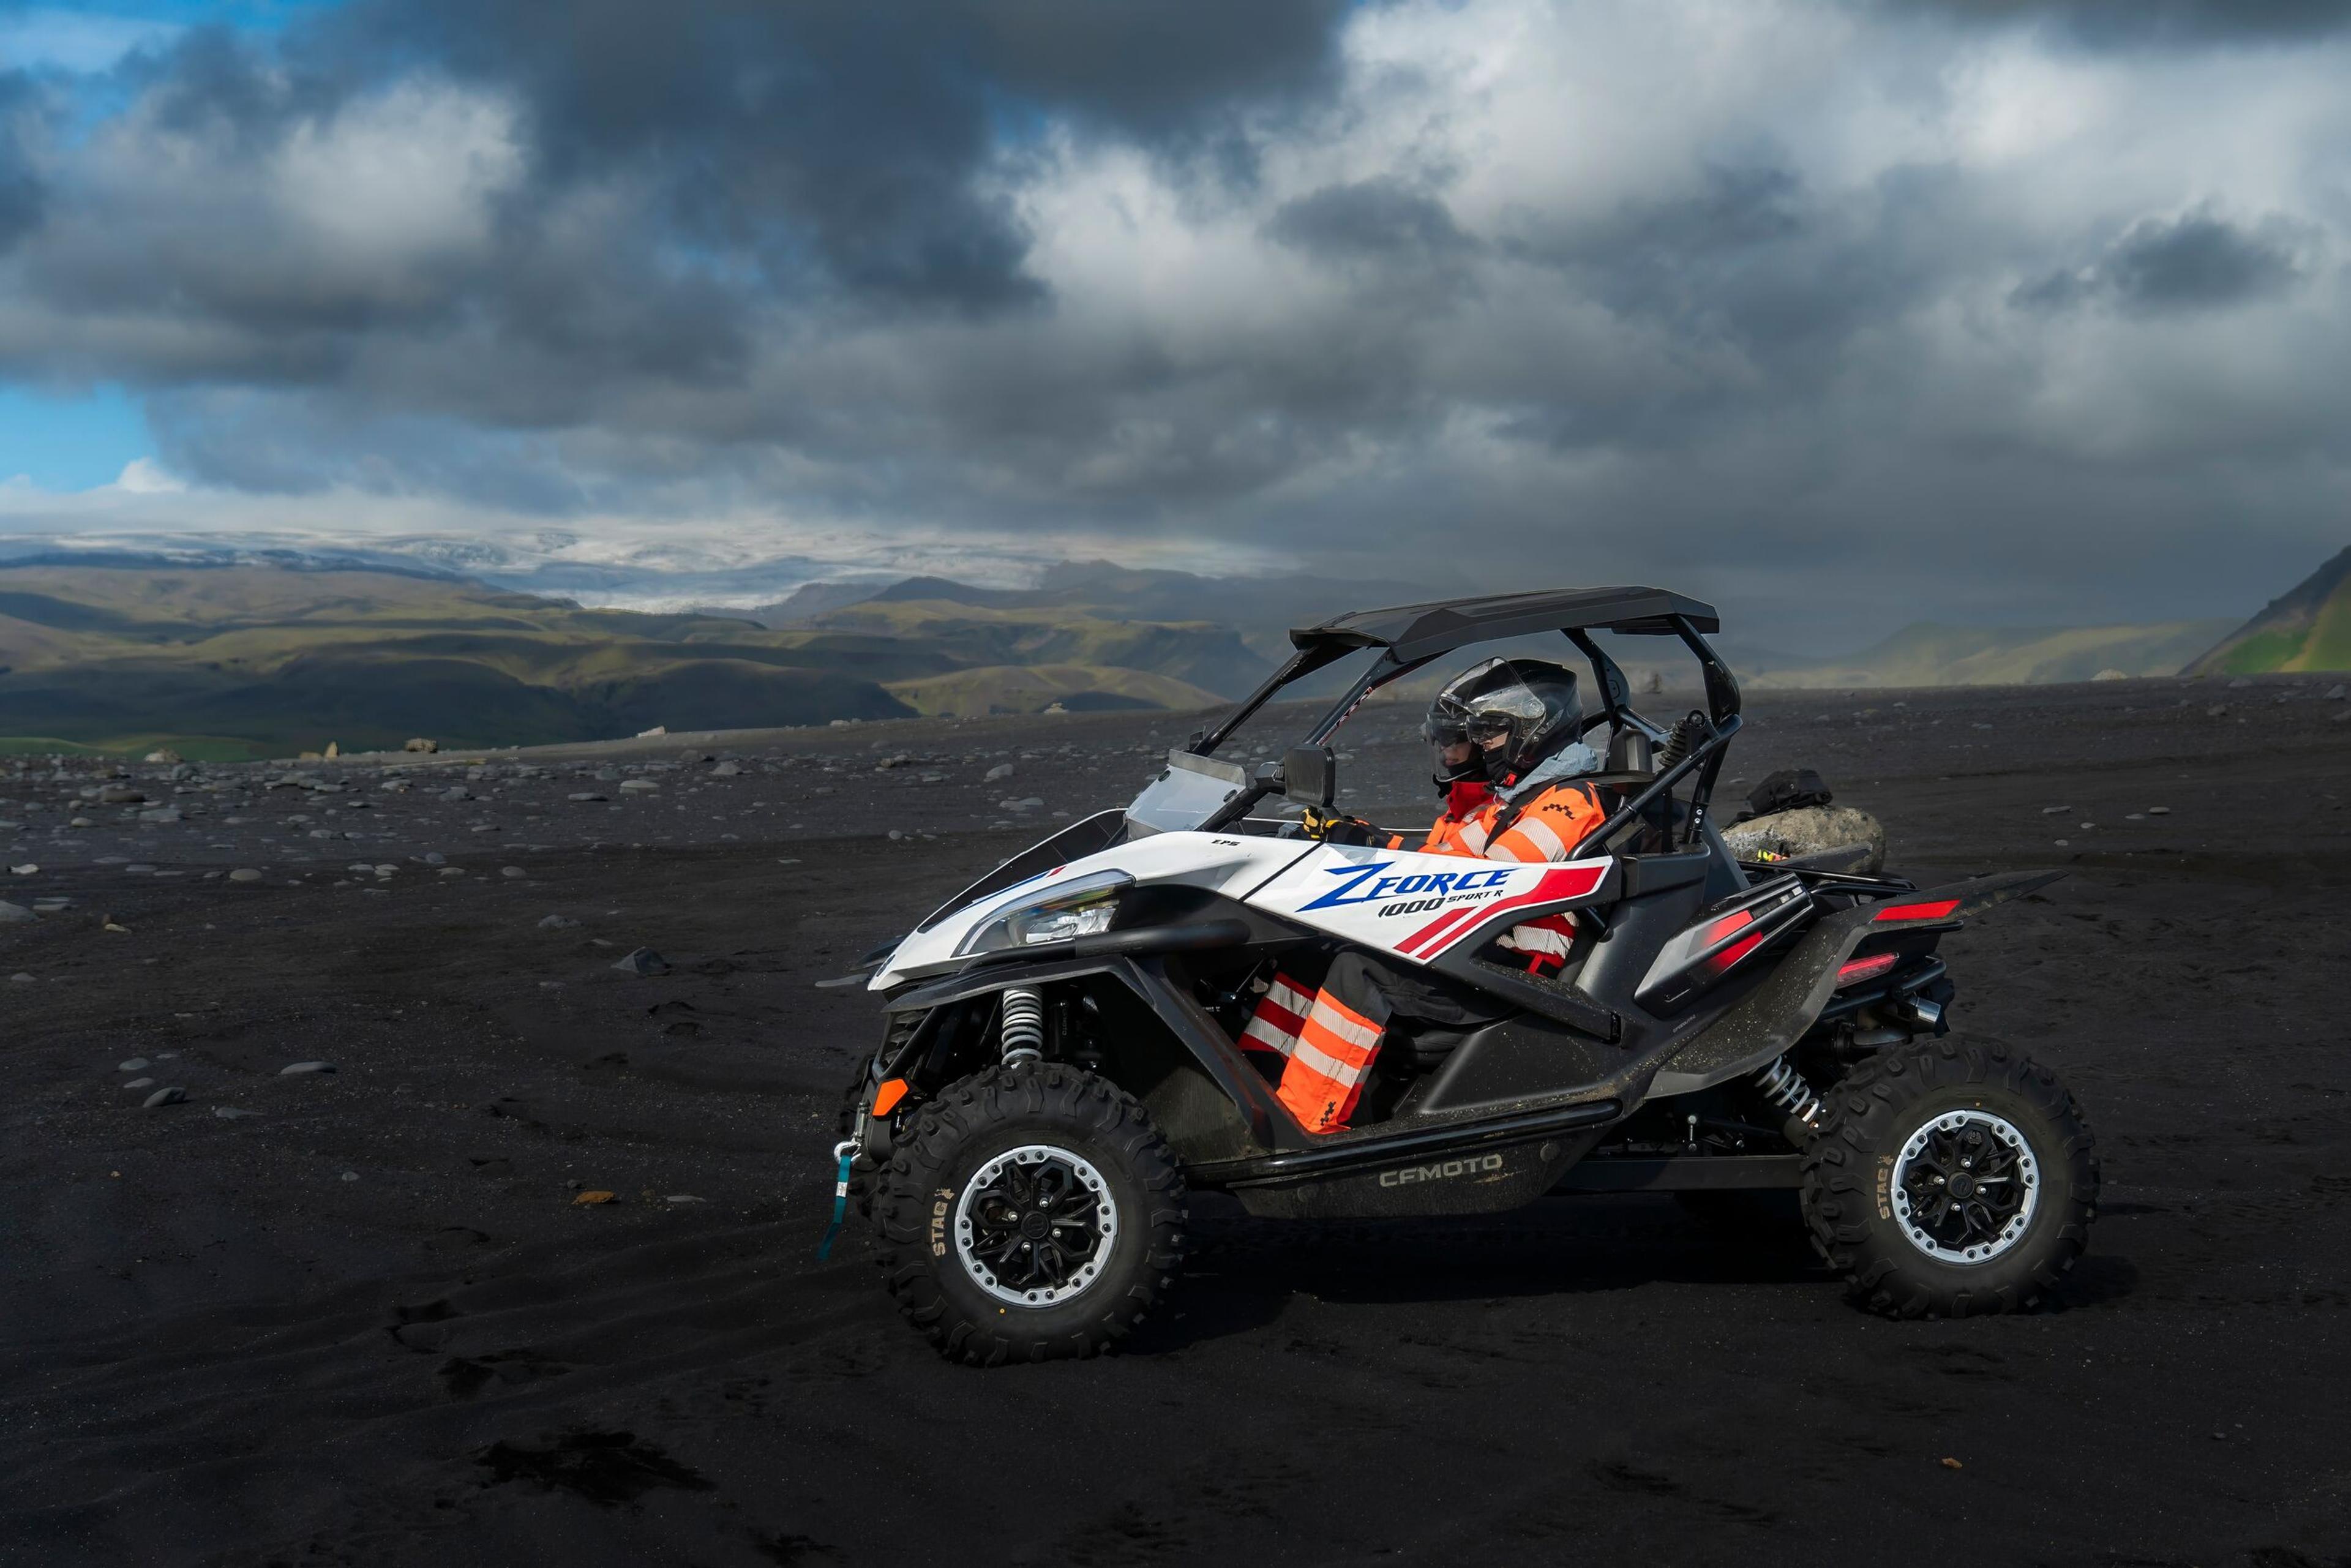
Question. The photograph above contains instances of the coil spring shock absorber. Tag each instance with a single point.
(1022, 1034)
(1785, 1087)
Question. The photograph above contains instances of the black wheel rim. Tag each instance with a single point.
(1035, 1224)
(1965, 1187)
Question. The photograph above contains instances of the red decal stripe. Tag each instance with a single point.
(1938, 910)
(1429, 931)
(1736, 951)
(1569, 882)
(1726, 925)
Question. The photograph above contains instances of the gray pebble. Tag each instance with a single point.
(231, 1113)
(294, 1068)
(644, 961)
(136, 1064)
(140, 1083)
(512, 870)
(558, 922)
(15, 912)
(1001, 771)
(244, 873)
(171, 1096)
(351, 1176)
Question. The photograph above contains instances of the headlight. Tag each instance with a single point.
(1083, 907)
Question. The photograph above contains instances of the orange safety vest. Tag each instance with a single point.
(1548, 828)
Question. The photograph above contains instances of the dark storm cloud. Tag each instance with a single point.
(1369, 220)
(20, 189)
(838, 143)
(2197, 262)
(2139, 22)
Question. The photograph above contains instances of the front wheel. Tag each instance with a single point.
(1031, 1212)
(1952, 1179)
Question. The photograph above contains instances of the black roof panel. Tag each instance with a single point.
(1425, 630)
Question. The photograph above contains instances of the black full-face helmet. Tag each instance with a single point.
(1513, 713)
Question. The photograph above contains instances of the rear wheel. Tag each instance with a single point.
(1950, 1179)
(1030, 1212)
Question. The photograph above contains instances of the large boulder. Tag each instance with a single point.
(1810, 830)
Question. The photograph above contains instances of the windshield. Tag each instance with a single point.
(1188, 793)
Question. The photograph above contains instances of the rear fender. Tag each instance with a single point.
(1776, 1014)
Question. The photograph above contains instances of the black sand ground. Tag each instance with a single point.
(368, 1323)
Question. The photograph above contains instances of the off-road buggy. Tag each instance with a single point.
(1059, 1064)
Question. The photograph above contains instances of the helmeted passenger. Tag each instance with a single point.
(1505, 737)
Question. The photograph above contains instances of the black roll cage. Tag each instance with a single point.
(1413, 635)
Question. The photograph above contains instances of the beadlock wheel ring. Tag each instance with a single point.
(1034, 1225)
(1984, 1151)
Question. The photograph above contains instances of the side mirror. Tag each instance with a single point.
(1309, 776)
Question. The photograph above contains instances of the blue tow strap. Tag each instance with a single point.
(847, 1152)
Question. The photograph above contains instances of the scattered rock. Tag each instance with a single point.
(231, 1113)
(588, 795)
(638, 786)
(657, 730)
(21, 979)
(136, 1064)
(2158, 810)
(434, 857)
(592, 1198)
(2335, 692)
(558, 922)
(15, 912)
(1001, 771)
(1032, 803)
(27, 869)
(2240, 683)
(420, 743)
(683, 1198)
(1810, 830)
(244, 873)
(119, 795)
(351, 1176)
(512, 870)
(173, 1095)
(727, 770)
(2218, 710)
(644, 961)
(160, 814)
(334, 748)
(294, 1069)
(161, 754)
(81, 822)
(2055, 811)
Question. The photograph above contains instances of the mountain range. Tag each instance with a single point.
(123, 652)
(2308, 628)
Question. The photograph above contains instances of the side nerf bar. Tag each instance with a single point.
(1776, 1014)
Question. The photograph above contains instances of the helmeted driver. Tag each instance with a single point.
(1505, 737)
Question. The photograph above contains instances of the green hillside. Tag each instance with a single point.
(1926, 655)
(260, 661)
(2308, 629)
